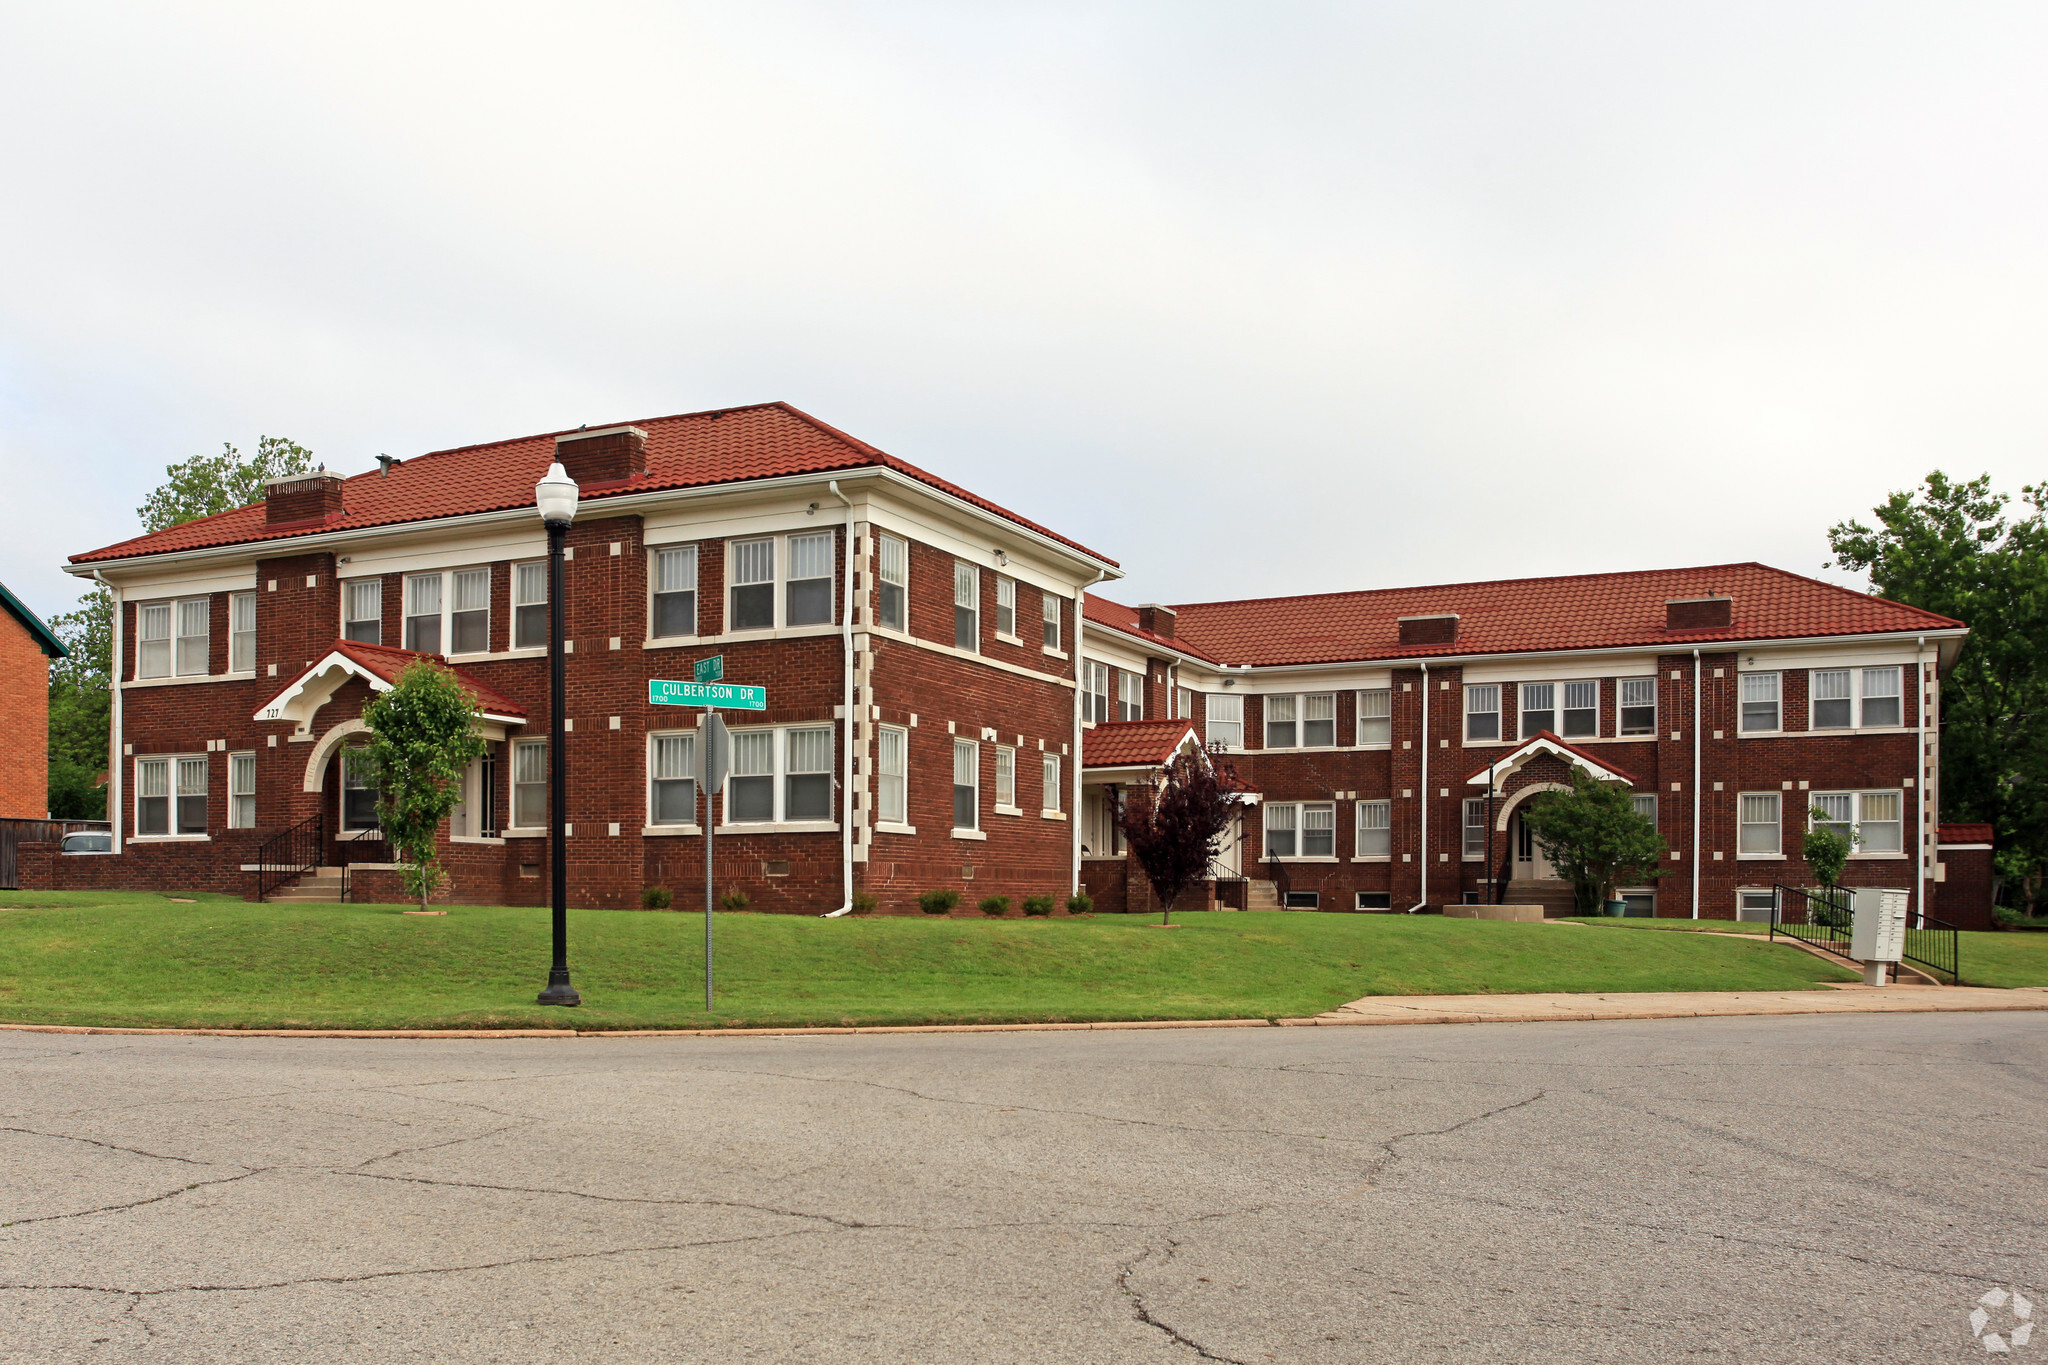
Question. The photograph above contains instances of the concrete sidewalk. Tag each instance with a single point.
(1522, 1009)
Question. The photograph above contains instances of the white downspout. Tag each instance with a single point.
(846, 763)
(1923, 859)
(1074, 815)
(1695, 784)
(115, 786)
(1424, 855)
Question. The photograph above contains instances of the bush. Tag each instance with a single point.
(938, 902)
(1038, 905)
(1080, 903)
(656, 898)
(734, 900)
(864, 903)
(995, 906)
(1831, 907)
(2005, 917)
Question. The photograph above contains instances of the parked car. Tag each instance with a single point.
(88, 841)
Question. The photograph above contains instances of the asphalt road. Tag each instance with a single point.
(1778, 1189)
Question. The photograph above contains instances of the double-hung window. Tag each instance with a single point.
(153, 641)
(1881, 699)
(1759, 827)
(892, 770)
(753, 585)
(966, 606)
(1130, 696)
(1225, 722)
(530, 605)
(1049, 608)
(1306, 829)
(808, 594)
(1539, 708)
(807, 773)
(675, 592)
(1006, 778)
(1645, 805)
(469, 617)
(242, 632)
(1581, 710)
(1482, 712)
(1304, 722)
(1833, 706)
(1183, 703)
(192, 782)
(1094, 691)
(1376, 717)
(358, 791)
(530, 783)
(423, 613)
(152, 796)
(895, 582)
(966, 784)
(1844, 698)
(1760, 703)
(1636, 700)
(195, 636)
(242, 791)
(1006, 606)
(1375, 829)
(362, 614)
(750, 791)
(780, 775)
(672, 778)
(1052, 802)
(1475, 827)
(1871, 821)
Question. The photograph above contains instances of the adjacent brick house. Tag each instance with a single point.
(949, 706)
(26, 648)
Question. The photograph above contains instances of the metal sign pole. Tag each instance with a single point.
(714, 760)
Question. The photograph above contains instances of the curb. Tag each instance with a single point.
(820, 1031)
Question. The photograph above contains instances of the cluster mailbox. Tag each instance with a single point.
(1877, 934)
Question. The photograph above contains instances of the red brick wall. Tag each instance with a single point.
(25, 705)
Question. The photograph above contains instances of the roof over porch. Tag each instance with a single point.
(1544, 742)
(379, 666)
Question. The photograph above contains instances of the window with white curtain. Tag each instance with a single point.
(193, 774)
(1303, 829)
(750, 791)
(1645, 805)
(362, 616)
(1225, 721)
(1475, 827)
(242, 632)
(1049, 608)
(808, 593)
(530, 605)
(1006, 777)
(1183, 704)
(1301, 722)
(358, 791)
(780, 775)
(966, 606)
(1376, 717)
(1759, 827)
(675, 592)
(1834, 706)
(966, 784)
(895, 582)
(530, 783)
(1581, 710)
(242, 791)
(1872, 820)
(892, 768)
(1539, 708)
(1282, 723)
(194, 636)
(807, 775)
(153, 641)
(1482, 712)
(1845, 698)
(152, 796)
(1881, 698)
(469, 616)
(423, 613)
(1130, 695)
(1006, 606)
(1760, 703)
(753, 585)
(672, 778)
(1637, 704)
(1094, 691)
(1053, 798)
(1375, 829)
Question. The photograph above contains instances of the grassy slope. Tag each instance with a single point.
(130, 958)
(1989, 959)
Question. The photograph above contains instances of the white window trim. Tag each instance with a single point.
(1743, 731)
(1359, 717)
(1775, 855)
(883, 822)
(176, 608)
(974, 591)
(1002, 807)
(647, 761)
(1465, 823)
(779, 583)
(1357, 824)
(882, 538)
(1656, 707)
(1058, 647)
(346, 584)
(1088, 694)
(512, 830)
(1561, 685)
(1131, 679)
(1856, 795)
(512, 597)
(960, 831)
(654, 553)
(1465, 724)
(779, 749)
(1010, 636)
(1300, 724)
(1855, 672)
(1300, 829)
(1210, 719)
(249, 754)
(233, 598)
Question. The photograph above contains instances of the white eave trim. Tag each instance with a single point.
(1529, 749)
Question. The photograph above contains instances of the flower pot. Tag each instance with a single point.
(1614, 909)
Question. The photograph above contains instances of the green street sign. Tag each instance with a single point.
(732, 696)
(712, 669)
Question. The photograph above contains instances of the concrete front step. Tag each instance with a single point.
(323, 886)
(1261, 896)
(1556, 897)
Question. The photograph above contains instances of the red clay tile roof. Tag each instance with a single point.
(1586, 611)
(1598, 761)
(690, 450)
(1133, 743)
(1963, 834)
(1116, 615)
(387, 663)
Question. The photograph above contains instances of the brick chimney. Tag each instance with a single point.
(1155, 618)
(1430, 630)
(603, 456)
(302, 497)
(1699, 613)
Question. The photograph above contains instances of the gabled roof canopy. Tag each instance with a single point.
(1544, 742)
(379, 666)
(1136, 743)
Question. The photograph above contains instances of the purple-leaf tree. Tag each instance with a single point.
(1174, 825)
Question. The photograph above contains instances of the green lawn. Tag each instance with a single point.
(125, 958)
(1988, 959)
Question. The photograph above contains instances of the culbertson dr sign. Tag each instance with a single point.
(731, 696)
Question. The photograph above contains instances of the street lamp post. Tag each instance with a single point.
(555, 496)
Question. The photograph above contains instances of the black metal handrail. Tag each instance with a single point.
(1937, 945)
(1232, 891)
(1820, 920)
(290, 854)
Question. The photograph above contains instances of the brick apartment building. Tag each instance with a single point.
(26, 648)
(950, 706)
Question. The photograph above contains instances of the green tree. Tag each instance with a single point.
(1593, 835)
(1952, 548)
(206, 484)
(422, 736)
(80, 708)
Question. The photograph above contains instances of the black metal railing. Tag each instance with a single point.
(1820, 918)
(290, 854)
(1936, 945)
(1232, 893)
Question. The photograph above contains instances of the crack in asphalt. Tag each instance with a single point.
(1142, 1313)
(111, 1146)
(133, 1203)
(1378, 1168)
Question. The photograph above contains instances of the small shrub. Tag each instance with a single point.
(734, 900)
(864, 903)
(995, 906)
(656, 898)
(1080, 903)
(938, 902)
(2005, 917)
(1038, 905)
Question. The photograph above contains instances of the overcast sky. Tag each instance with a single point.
(1258, 299)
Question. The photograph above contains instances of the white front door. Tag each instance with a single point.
(1229, 859)
(1530, 864)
